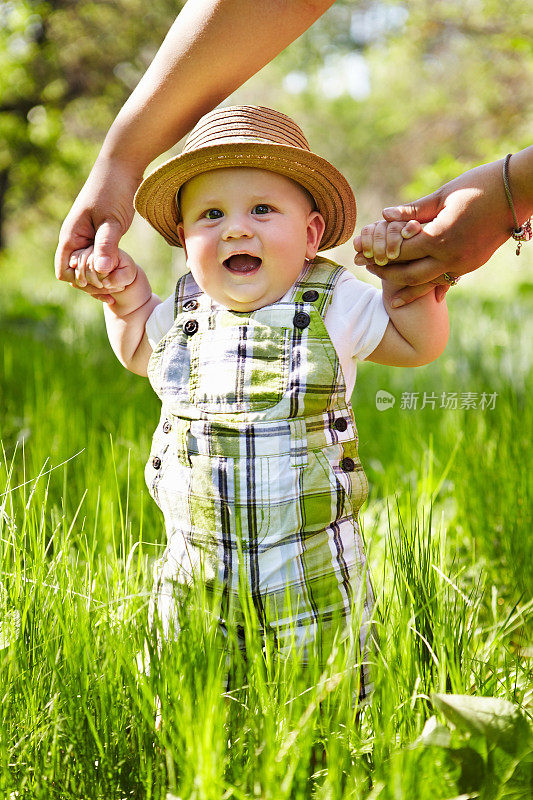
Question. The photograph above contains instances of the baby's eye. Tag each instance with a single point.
(213, 213)
(261, 208)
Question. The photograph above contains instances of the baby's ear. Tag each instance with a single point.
(181, 235)
(315, 231)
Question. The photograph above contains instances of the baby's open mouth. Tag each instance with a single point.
(242, 263)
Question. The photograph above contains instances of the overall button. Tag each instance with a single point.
(190, 305)
(156, 462)
(190, 327)
(301, 320)
(310, 295)
(340, 424)
(347, 464)
(167, 427)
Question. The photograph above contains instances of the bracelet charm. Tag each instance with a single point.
(522, 234)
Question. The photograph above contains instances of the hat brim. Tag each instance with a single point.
(155, 199)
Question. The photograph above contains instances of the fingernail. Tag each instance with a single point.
(397, 302)
(381, 263)
(393, 254)
(367, 253)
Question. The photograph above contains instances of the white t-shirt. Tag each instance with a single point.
(355, 320)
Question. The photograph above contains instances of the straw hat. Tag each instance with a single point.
(248, 136)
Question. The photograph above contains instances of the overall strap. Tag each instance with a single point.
(317, 283)
(187, 291)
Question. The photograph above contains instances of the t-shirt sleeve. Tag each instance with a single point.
(358, 313)
(160, 321)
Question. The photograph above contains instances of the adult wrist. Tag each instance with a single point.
(109, 160)
(521, 183)
(118, 149)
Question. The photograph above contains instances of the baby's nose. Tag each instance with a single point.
(237, 227)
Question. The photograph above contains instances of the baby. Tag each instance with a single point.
(254, 462)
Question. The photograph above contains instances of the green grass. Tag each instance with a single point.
(448, 529)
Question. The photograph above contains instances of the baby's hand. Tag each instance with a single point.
(103, 287)
(382, 241)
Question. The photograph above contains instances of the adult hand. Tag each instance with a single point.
(467, 220)
(101, 214)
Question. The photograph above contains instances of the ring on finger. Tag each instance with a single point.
(451, 280)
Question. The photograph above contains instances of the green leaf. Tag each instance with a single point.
(498, 720)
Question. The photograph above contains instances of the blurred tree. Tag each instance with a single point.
(66, 66)
(405, 95)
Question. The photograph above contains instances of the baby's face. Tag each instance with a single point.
(246, 234)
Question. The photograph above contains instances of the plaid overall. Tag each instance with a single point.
(254, 463)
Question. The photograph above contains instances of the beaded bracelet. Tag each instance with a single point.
(521, 233)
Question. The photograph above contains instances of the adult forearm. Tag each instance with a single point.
(211, 49)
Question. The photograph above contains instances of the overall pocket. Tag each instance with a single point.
(239, 368)
(342, 465)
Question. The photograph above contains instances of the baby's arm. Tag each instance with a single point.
(126, 319)
(126, 316)
(417, 333)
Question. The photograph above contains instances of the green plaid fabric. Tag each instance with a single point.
(255, 467)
